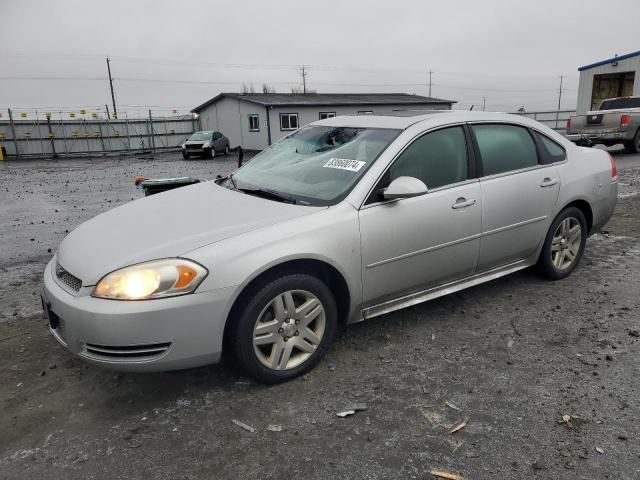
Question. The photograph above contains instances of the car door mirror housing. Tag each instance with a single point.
(404, 187)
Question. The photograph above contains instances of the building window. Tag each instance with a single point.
(324, 115)
(254, 123)
(365, 112)
(288, 121)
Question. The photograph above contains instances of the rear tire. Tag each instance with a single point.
(273, 337)
(564, 245)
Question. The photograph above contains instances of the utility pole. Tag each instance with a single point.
(113, 97)
(484, 104)
(560, 93)
(430, 72)
(304, 74)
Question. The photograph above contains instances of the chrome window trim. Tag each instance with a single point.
(439, 189)
(537, 130)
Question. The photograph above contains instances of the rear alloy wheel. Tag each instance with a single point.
(286, 328)
(564, 244)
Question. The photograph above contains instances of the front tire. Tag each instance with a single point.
(564, 245)
(226, 150)
(285, 328)
(185, 155)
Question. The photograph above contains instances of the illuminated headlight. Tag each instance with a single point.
(155, 279)
(206, 145)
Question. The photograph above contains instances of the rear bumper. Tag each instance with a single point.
(596, 137)
(604, 208)
(152, 335)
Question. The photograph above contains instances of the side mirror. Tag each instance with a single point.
(404, 187)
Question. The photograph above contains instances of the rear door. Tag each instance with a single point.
(520, 188)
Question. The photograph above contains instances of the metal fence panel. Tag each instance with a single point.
(57, 135)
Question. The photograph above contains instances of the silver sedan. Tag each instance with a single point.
(343, 220)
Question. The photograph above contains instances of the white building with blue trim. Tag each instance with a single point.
(618, 76)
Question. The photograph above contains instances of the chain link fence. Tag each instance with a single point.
(35, 134)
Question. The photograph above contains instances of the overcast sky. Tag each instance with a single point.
(177, 54)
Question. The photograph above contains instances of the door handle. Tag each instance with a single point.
(549, 182)
(462, 203)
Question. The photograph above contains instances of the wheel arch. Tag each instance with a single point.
(324, 270)
(585, 207)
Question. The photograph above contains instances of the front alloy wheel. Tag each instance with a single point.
(285, 328)
(289, 329)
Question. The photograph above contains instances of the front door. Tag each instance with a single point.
(415, 243)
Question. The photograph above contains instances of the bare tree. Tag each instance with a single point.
(247, 88)
(300, 91)
(268, 89)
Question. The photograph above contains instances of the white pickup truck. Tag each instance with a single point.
(616, 121)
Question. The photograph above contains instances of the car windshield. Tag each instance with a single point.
(315, 165)
(201, 136)
(619, 103)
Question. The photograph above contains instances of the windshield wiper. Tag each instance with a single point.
(268, 194)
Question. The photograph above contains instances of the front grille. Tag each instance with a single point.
(128, 352)
(68, 279)
(194, 146)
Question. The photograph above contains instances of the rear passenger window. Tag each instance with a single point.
(504, 148)
(550, 151)
(438, 159)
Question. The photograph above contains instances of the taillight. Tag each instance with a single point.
(625, 120)
(568, 123)
(614, 169)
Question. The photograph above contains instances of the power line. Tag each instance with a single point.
(172, 62)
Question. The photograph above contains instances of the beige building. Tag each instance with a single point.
(256, 120)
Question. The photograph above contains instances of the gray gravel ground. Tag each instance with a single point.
(514, 356)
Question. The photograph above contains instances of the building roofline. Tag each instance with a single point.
(609, 60)
(337, 103)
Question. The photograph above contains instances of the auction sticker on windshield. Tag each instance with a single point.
(345, 164)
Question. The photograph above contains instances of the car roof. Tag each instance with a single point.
(404, 119)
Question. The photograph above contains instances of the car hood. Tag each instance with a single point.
(168, 224)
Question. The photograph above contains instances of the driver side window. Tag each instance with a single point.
(438, 158)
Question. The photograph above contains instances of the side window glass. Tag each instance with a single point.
(550, 151)
(438, 158)
(504, 148)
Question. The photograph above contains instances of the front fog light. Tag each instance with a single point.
(155, 279)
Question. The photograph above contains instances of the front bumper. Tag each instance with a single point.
(197, 151)
(600, 136)
(149, 335)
